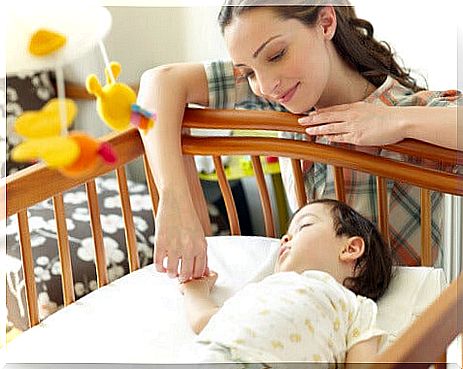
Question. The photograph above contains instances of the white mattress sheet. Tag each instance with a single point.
(140, 318)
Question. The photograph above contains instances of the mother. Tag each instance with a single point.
(321, 61)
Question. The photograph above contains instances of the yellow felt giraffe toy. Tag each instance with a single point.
(116, 102)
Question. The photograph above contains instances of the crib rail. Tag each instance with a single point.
(39, 183)
(430, 334)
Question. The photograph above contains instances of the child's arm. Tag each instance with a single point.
(199, 306)
(362, 352)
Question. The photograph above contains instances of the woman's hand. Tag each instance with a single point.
(360, 123)
(179, 236)
(202, 285)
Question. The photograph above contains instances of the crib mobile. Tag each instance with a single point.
(45, 132)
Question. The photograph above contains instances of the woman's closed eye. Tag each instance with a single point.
(277, 56)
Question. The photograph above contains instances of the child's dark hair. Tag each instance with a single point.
(373, 270)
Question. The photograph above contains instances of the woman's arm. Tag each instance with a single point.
(166, 90)
(198, 304)
(436, 125)
(362, 352)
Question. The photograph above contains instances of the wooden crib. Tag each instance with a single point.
(428, 337)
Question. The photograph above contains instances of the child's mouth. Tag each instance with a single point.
(283, 250)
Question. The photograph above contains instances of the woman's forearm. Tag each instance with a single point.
(166, 91)
(436, 125)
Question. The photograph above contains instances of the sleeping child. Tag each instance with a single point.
(318, 305)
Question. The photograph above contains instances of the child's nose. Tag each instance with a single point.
(285, 239)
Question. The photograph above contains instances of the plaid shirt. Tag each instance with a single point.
(228, 91)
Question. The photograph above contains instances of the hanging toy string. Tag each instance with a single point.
(106, 61)
(61, 99)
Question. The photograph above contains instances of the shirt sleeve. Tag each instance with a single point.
(363, 325)
(228, 90)
(449, 98)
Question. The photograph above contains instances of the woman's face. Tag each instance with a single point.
(284, 60)
(311, 242)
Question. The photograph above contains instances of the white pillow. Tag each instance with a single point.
(411, 291)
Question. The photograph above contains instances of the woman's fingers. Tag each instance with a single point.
(322, 118)
(342, 138)
(172, 266)
(159, 256)
(329, 129)
(186, 269)
(200, 266)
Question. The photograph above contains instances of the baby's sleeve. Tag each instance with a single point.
(363, 324)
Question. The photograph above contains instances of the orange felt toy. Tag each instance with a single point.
(90, 150)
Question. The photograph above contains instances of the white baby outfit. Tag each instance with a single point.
(288, 317)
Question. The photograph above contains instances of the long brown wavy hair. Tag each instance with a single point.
(353, 39)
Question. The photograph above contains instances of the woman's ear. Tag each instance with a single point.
(353, 249)
(327, 21)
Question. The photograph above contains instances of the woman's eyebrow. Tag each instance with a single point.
(259, 49)
(256, 53)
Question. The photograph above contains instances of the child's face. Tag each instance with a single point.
(284, 60)
(311, 242)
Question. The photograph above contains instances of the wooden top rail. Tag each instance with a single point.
(77, 91)
(279, 121)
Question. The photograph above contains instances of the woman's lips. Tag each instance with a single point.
(288, 95)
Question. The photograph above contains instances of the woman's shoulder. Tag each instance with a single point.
(393, 93)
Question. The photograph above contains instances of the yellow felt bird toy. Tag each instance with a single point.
(116, 102)
(74, 155)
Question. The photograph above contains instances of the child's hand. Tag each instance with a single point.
(203, 285)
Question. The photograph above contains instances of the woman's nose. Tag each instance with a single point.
(267, 85)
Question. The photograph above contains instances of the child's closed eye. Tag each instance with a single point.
(304, 225)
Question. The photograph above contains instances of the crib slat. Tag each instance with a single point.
(383, 219)
(130, 238)
(426, 254)
(28, 268)
(264, 197)
(442, 362)
(301, 196)
(227, 197)
(67, 280)
(339, 184)
(97, 232)
(151, 185)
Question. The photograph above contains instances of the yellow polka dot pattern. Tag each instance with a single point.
(277, 345)
(309, 325)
